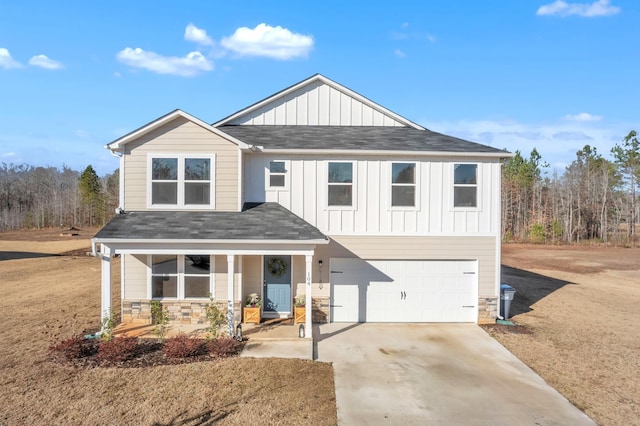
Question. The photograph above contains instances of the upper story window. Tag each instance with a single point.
(340, 184)
(465, 185)
(403, 184)
(277, 174)
(181, 181)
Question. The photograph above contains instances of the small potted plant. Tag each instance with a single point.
(299, 308)
(253, 308)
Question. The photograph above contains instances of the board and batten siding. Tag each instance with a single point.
(305, 194)
(183, 137)
(317, 104)
(482, 249)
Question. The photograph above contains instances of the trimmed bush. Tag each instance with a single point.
(182, 346)
(74, 348)
(118, 349)
(224, 347)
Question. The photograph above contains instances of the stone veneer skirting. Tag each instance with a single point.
(487, 310)
(180, 311)
(194, 312)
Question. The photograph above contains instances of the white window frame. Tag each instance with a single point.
(286, 174)
(354, 185)
(181, 181)
(180, 278)
(454, 185)
(416, 185)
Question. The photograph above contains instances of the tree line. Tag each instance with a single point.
(46, 197)
(595, 199)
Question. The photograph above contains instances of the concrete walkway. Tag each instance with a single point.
(417, 374)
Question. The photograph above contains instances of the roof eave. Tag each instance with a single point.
(497, 154)
(207, 241)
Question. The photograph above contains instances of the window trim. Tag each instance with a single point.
(286, 174)
(454, 185)
(181, 181)
(354, 185)
(180, 277)
(416, 185)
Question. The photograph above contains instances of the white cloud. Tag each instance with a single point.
(404, 25)
(268, 41)
(197, 35)
(556, 142)
(583, 116)
(8, 154)
(6, 61)
(589, 10)
(187, 66)
(399, 53)
(42, 61)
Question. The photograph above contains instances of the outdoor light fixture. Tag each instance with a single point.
(320, 268)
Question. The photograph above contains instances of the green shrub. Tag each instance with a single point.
(536, 233)
(159, 317)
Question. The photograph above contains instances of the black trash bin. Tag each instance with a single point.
(506, 296)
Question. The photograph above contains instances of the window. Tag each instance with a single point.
(180, 277)
(181, 181)
(465, 185)
(403, 184)
(277, 173)
(340, 180)
(164, 276)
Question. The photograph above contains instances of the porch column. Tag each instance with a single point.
(105, 302)
(309, 307)
(230, 292)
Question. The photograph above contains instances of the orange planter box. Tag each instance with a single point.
(300, 315)
(252, 315)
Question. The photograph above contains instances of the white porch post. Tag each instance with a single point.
(309, 307)
(230, 292)
(105, 301)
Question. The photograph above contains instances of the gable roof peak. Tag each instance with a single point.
(325, 104)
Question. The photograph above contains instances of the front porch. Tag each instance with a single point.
(268, 330)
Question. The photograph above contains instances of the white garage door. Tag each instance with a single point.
(403, 290)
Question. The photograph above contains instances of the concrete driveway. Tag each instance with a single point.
(417, 374)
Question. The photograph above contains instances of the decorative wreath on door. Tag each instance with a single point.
(277, 266)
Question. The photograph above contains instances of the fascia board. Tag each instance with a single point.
(165, 242)
(388, 153)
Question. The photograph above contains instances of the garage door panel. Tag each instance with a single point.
(404, 291)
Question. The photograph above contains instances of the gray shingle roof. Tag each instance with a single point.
(258, 221)
(353, 138)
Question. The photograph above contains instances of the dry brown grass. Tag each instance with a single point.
(47, 298)
(580, 308)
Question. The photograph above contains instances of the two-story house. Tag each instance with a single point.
(315, 190)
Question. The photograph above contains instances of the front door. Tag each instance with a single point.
(277, 284)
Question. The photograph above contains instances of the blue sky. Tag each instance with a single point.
(550, 74)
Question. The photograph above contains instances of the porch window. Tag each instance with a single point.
(465, 185)
(164, 276)
(403, 184)
(197, 276)
(277, 174)
(181, 181)
(340, 184)
(180, 277)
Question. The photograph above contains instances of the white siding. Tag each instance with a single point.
(372, 212)
(317, 104)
